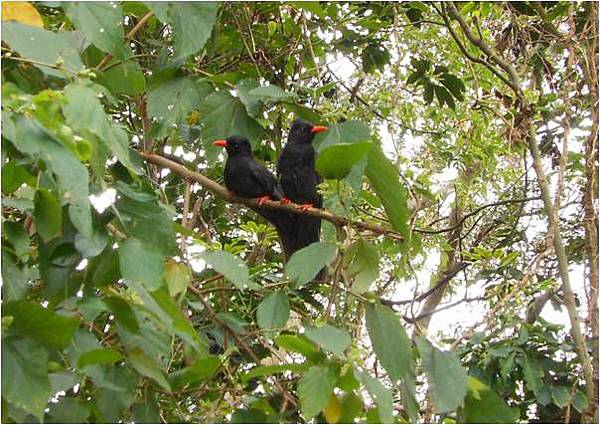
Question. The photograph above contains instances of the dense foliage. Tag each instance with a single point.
(462, 146)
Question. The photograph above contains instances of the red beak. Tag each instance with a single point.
(222, 143)
(318, 129)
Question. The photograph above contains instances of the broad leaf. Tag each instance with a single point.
(126, 78)
(197, 372)
(333, 339)
(336, 161)
(270, 94)
(384, 178)
(484, 406)
(30, 138)
(84, 112)
(102, 24)
(381, 395)
(224, 115)
(314, 390)
(178, 277)
(35, 321)
(48, 214)
(172, 100)
(363, 265)
(446, 377)
(99, 356)
(251, 102)
(46, 47)
(230, 266)
(348, 132)
(141, 264)
(145, 365)
(305, 263)
(192, 25)
(273, 311)
(25, 375)
(389, 339)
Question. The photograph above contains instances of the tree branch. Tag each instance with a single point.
(223, 193)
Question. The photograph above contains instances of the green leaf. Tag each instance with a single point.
(33, 320)
(298, 344)
(305, 263)
(125, 78)
(84, 112)
(63, 381)
(453, 84)
(146, 219)
(273, 369)
(160, 9)
(69, 410)
(141, 264)
(271, 94)
(533, 373)
(363, 264)
(171, 101)
(13, 176)
(374, 57)
(428, 95)
(446, 377)
(145, 365)
(192, 25)
(561, 396)
(483, 405)
(580, 401)
(348, 132)
(123, 313)
(333, 339)
(48, 214)
(444, 96)
(99, 356)
(389, 339)
(314, 389)
(47, 47)
(273, 311)
(251, 102)
(178, 277)
(30, 138)
(384, 178)
(224, 115)
(102, 24)
(17, 236)
(199, 371)
(103, 269)
(230, 266)
(381, 395)
(15, 282)
(91, 247)
(25, 375)
(336, 161)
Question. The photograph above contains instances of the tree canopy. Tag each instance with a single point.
(460, 174)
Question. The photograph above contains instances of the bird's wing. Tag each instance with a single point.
(264, 179)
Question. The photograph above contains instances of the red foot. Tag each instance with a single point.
(285, 201)
(305, 207)
(262, 200)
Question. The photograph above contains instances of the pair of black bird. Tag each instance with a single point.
(298, 180)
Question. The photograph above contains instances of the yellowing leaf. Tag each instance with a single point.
(22, 12)
(333, 410)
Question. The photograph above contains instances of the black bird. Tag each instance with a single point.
(245, 176)
(299, 180)
(248, 178)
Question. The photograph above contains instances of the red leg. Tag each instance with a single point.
(305, 207)
(285, 201)
(262, 200)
